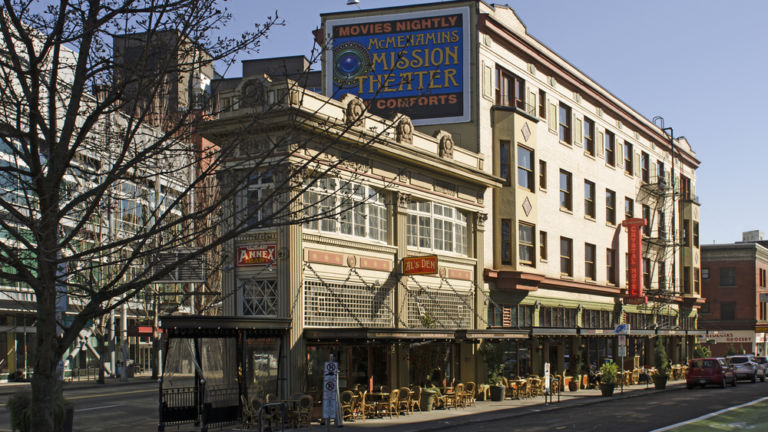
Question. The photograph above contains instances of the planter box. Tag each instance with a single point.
(427, 400)
(497, 393)
(660, 383)
(607, 389)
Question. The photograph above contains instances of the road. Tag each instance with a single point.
(113, 408)
(133, 408)
(639, 414)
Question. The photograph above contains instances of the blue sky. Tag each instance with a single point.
(701, 64)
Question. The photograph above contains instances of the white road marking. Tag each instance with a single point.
(96, 408)
(706, 416)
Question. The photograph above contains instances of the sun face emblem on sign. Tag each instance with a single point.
(350, 61)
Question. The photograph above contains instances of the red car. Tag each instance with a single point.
(713, 370)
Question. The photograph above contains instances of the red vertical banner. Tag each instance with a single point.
(635, 250)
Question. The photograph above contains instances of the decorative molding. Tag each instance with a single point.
(446, 144)
(404, 130)
(318, 239)
(403, 200)
(480, 219)
(354, 114)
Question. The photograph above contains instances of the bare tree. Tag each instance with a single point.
(102, 171)
(98, 179)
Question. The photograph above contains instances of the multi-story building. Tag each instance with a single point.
(576, 162)
(555, 161)
(735, 285)
(122, 213)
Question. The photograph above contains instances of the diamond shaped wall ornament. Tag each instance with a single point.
(527, 207)
(526, 132)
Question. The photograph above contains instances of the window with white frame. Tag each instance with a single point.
(259, 202)
(435, 226)
(347, 208)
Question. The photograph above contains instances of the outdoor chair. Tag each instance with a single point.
(635, 376)
(415, 400)
(389, 404)
(469, 394)
(523, 389)
(403, 400)
(346, 402)
(248, 416)
(451, 400)
(304, 413)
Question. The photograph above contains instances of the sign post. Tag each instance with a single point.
(331, 408)
(546, 383)
(622, 330)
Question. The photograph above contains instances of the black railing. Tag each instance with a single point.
(178, 405)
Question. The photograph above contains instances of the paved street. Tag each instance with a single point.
(111, 407)
(133, 407)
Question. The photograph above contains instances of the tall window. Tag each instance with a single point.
(610, 207)
(349, 208)
(728, 311)
(566, 256)
(259, 205)
(646, 273)
(727, 276)
(589, 136)
(687, 279)
(566, 201)
(684, 232)
(660, 179)
(527, 244)
(506, 241)
(542, 174)
(504, 162)
(589, 199)
(696, 234)
(647, 217)
(543, 245)
(542, 104)
(662, 276)
(590, 254)
(610, 148)
(662, 225)
(696, 280)
(564, 121)
(525, 168)
(645, 167)
(510, 89)
(629, 208)
(628, 158)
(434, 226)
(685, 187)
(610, 265)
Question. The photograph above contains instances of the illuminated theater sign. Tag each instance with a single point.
(412, 63)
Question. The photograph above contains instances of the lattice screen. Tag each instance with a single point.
(439, 309)
(259, 297)
(346, 304)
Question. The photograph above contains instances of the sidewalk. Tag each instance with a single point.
(7, 389)
(488, 411)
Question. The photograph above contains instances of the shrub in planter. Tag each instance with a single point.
(662, 364)
(427, 399)
(608, 372)
(20, 407)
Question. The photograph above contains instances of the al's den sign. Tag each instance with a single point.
(412, 63)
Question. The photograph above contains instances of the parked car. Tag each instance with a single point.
(744, 367)
(762, 362)
(714, 370)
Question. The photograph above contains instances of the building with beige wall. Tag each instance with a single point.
(576, 162)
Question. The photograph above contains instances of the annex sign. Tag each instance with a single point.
(412, 63)
(256, 255)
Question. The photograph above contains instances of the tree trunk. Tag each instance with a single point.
(46, 387)
(102, 341)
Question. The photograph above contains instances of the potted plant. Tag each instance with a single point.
(496, 379)
(428, 396)
(575, 367)
(20, 409)
(608, 372)
(662, 365)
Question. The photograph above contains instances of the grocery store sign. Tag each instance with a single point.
(733, 336)
(414, 63)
